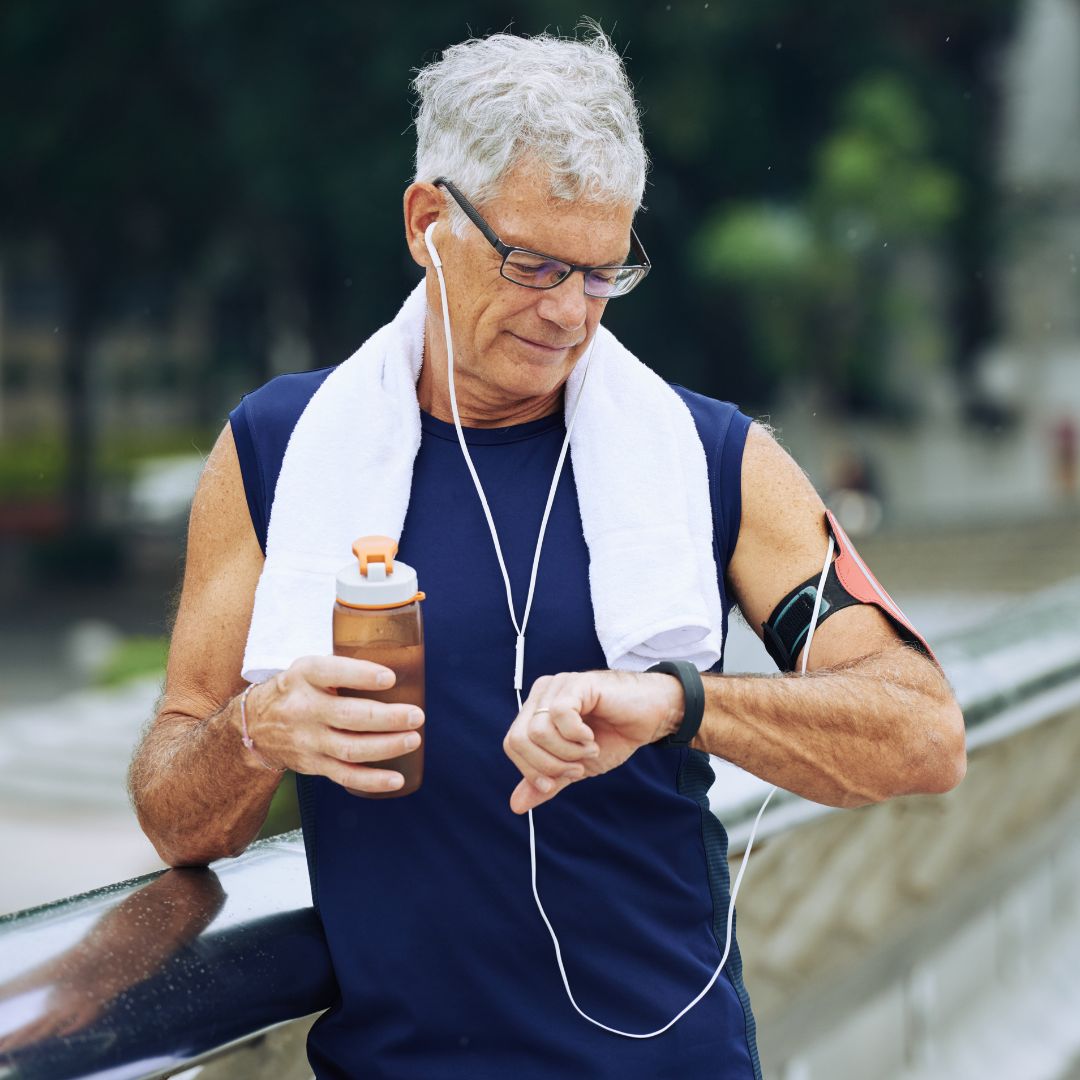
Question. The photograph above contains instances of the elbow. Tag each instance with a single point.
(176, 857)
(942, 754)
(176, 850)
(930, 758)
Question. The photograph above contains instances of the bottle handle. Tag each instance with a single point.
(375, 549)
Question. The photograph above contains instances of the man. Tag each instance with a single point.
(444, 963)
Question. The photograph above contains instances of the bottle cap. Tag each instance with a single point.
(376, 579)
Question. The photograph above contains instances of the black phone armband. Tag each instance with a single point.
(848, 582)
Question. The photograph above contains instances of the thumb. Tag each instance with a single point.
(525, 797)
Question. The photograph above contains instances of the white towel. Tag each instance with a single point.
(642, 485)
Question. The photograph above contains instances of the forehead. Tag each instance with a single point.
(584, 231)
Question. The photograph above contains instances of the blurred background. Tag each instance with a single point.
(864, 220)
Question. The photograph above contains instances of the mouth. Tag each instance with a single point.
(550, 350)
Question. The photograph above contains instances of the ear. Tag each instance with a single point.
(423, 204)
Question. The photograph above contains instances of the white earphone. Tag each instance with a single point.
(430, 244)
(520, 660)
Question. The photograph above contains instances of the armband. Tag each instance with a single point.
(849, 582)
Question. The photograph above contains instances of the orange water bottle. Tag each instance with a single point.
(377, 618)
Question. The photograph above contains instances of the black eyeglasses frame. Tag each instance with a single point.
(637, 250)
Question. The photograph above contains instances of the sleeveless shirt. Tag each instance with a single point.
(445, 968)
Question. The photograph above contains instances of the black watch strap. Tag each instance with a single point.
(694, 694)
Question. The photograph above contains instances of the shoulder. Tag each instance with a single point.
(712, 416)
(722, 429)
(721, 426)
(278, 403)
(262, 424)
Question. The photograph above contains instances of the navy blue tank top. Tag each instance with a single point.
(445, 967)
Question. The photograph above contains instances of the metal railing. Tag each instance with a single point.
(149, 976)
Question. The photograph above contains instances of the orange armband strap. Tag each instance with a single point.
(849, 582)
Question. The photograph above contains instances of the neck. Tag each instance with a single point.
(480, 405)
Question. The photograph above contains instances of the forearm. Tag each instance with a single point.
(885, 725)
(198, 793)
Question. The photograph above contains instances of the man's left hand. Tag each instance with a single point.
(579, 724)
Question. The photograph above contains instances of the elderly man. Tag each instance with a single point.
(530, 169)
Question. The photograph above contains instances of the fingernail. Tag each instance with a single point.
(412, 741)
(395, 780)
(575, 772)
(416, 718)
(544, 784)
(592, 750)
(385, 678)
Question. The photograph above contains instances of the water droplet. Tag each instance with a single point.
(948, 38)
(885, 244)
(779, 45)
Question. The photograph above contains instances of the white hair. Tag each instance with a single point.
(491, 103)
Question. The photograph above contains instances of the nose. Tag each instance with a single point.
(565, 305)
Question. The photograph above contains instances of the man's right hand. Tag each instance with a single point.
(198, 793)
(299, 720)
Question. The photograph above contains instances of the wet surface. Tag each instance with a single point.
(151, 973)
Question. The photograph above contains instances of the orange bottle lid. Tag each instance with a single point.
(374, 579)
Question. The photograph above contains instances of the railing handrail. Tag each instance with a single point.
(164, 968)
(1017, 669)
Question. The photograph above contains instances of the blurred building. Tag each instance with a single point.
(1001, 442)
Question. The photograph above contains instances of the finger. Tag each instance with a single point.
(363, 714)
(540, 767)
(363, 779)
(544, 731)
(570, 726)
(344, 671)
(526, 796)
(357, 749)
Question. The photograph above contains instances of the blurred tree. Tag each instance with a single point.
(260, 151)
(815, 274)
(105, 160)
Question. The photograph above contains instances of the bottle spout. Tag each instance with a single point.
(376, 556)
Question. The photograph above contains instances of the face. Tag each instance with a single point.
(514, 345)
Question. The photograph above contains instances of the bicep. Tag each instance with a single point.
(782, 543)
(221, 571)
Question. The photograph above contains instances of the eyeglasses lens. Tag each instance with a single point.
(536, 272)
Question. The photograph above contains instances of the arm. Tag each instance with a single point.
(198, 793)
(876, 719)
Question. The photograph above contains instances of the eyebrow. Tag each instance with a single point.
(497, 239)
(559, 258)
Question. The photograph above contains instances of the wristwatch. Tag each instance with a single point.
(694, 695)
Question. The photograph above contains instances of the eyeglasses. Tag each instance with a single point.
(537, 271)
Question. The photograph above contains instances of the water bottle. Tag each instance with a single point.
(377, 617)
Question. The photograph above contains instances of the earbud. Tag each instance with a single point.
(431, 245)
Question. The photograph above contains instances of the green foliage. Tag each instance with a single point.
(32, 469)
(877, 166)
(284, 813)
(812, 275)
(260, 150)
(133, 658)
(757, 245)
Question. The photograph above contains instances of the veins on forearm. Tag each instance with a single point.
(844, 736)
